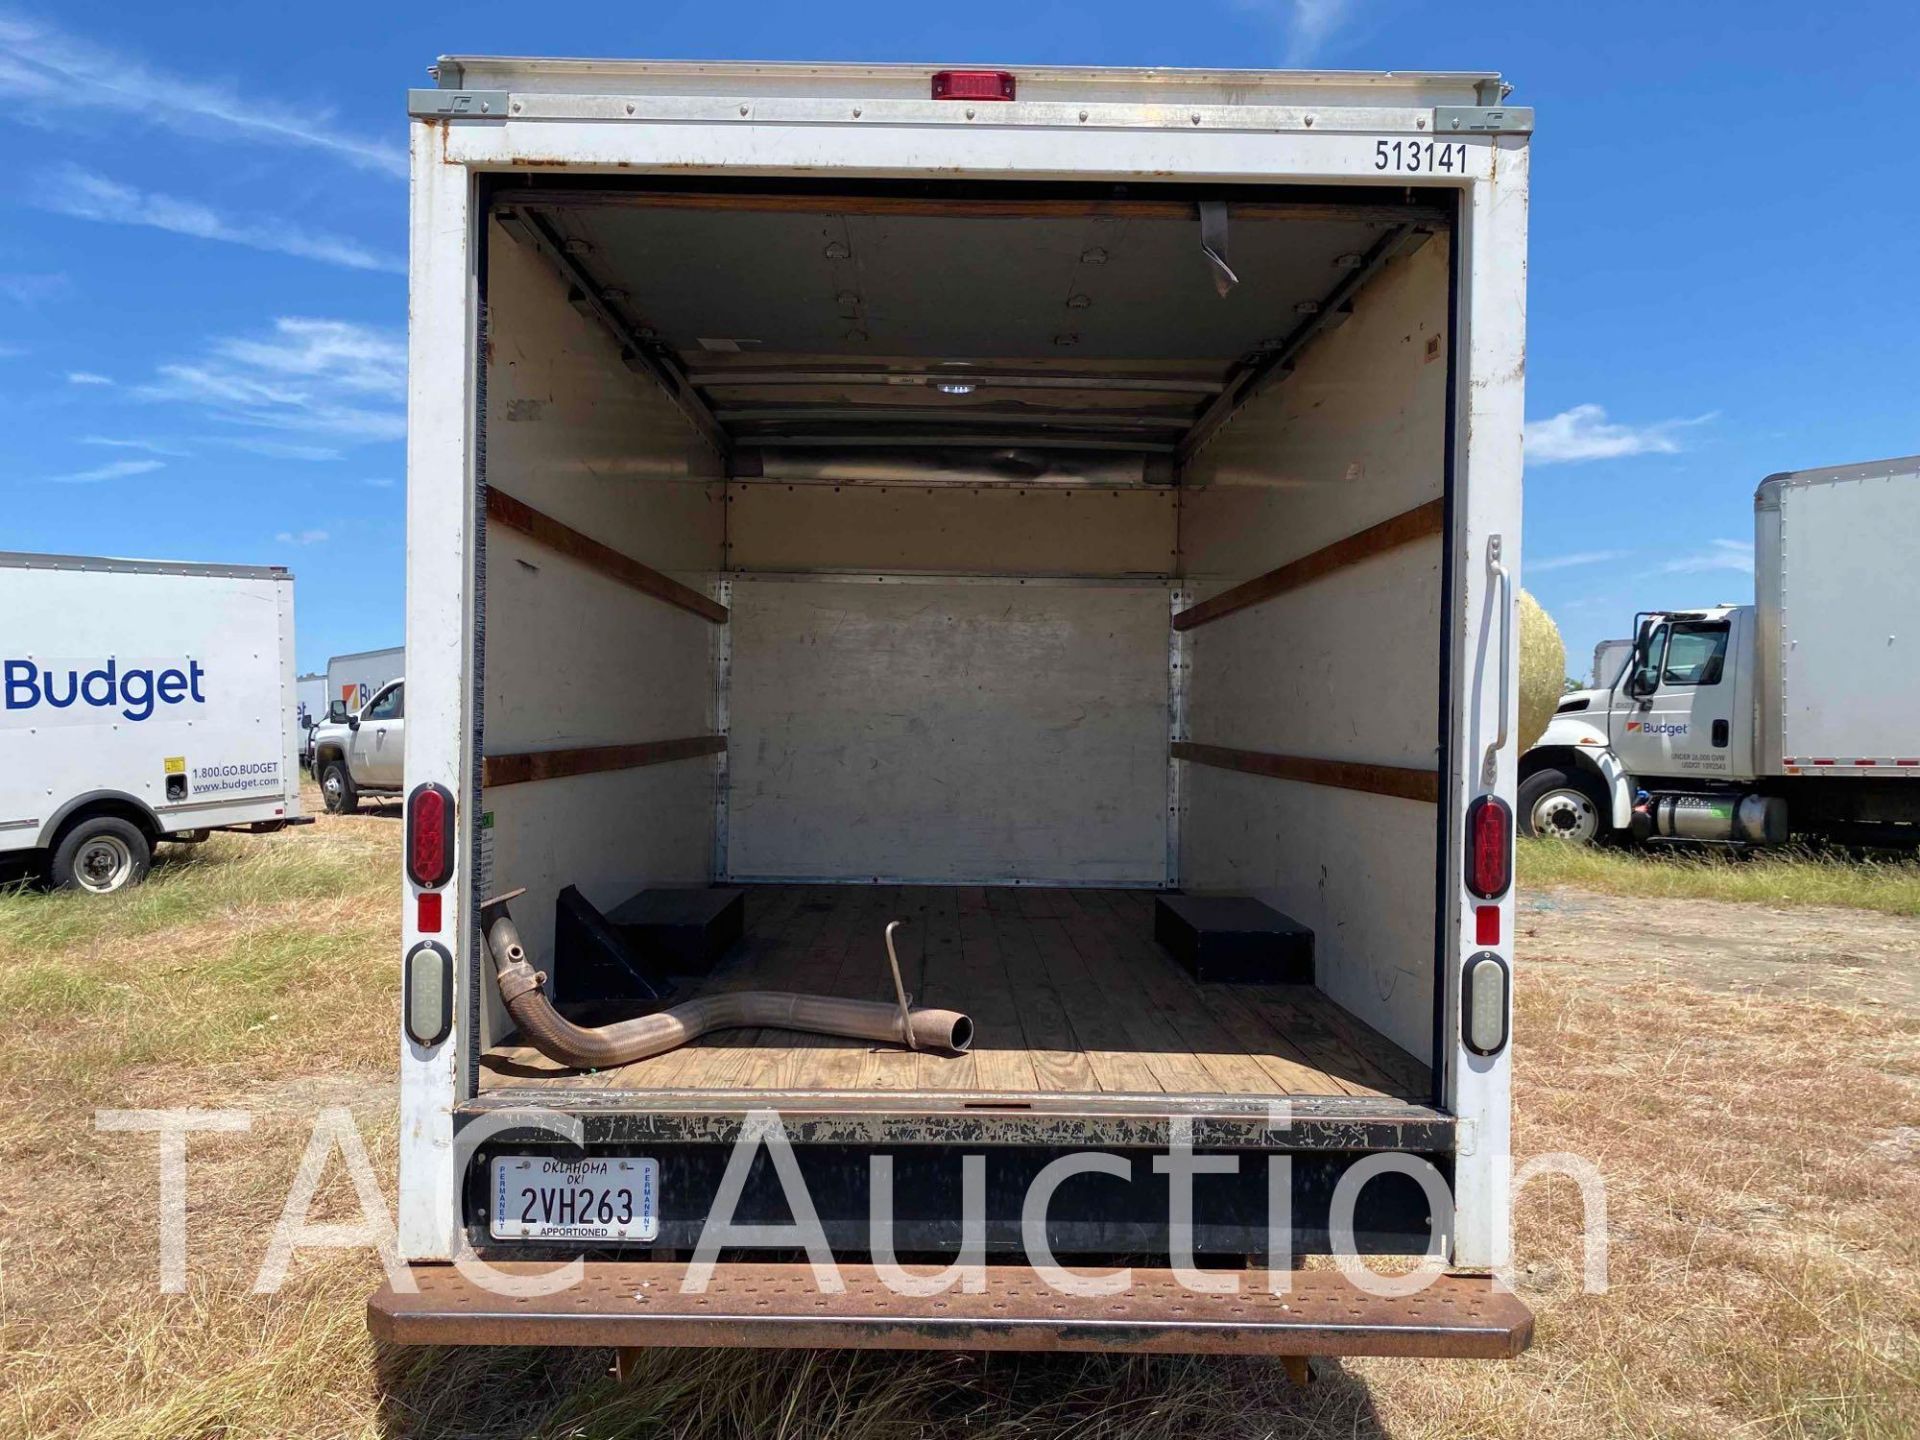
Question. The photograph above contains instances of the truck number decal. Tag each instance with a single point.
(1442, 157)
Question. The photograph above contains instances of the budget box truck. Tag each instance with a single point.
(141, 701)
(352, 679)
(950, 513)
(1750, 724)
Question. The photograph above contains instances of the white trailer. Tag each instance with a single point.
(980, 499)
(141, 701)
(1796, 715)
(352, 679)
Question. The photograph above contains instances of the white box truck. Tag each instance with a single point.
(310, 699)
(352, 679)
(989, 501)
(141, 701)
(1747, 724)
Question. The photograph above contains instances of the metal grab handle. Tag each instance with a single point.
(900, 989)
(1496, 567)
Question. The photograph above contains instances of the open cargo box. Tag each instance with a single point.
(951, 659)
(968, 554)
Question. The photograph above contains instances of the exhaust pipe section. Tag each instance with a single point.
(1749, 819)
(604, 1046)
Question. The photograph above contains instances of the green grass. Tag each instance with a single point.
(221, 954)
(228, 874)
(1774, 877)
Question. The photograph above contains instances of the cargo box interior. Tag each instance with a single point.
(990, 558)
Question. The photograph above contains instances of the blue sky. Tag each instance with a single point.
(202, 304)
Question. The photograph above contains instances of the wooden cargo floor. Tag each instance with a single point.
(1067, 989)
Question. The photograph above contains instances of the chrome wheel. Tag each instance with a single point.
(331, 787)
(1565, 814)
(104, 864)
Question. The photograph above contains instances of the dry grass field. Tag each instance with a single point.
(1761, 1142)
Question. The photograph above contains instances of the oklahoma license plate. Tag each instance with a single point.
(537, 1197)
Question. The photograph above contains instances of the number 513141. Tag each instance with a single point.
(1443, 157)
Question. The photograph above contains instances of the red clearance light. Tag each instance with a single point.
(1486, 924)
(428, 912)
(1489, 847)
(973, 85)
(430, 836)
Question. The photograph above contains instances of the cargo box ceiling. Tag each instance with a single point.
(1041, 334)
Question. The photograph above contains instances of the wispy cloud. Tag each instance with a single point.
(12, 352)
(62, 73)
(87, 195)
(1716, 555)
(1307, 25)
(87, 377)
(1567, 562)
(151, 447)
(117, 470)
(333, 378)
(28, 289)
(301, 537)
(1585, 433)
(380, 482)
(285, 449)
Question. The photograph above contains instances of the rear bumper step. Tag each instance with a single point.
(632, 1304)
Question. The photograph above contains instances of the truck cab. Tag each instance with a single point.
(361, 751)
(1678, 716)
(1725, 724)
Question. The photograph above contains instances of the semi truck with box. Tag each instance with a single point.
(1796, 715)
(889, 547)
(144, 701)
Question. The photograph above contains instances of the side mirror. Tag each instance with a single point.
(337, 713)
(353, 722)
(1642, 678)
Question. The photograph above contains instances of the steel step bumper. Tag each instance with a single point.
(631, 1304)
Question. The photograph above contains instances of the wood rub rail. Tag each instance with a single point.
(1396, 780)
(497, 770)
(1402, 529)
(543, 529)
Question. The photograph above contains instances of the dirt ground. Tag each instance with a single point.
(1746, 1079)
(1843, 957)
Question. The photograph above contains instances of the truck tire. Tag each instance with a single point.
(100, 855)
(337, 789)
(1558, 805)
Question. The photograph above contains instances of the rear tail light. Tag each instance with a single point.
(1489, 847)
(430, 836)
(973, 85)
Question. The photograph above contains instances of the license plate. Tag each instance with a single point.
(540, 1198)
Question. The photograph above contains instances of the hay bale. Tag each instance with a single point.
(1543, 667)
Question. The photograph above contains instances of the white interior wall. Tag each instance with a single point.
(574, 658)
(1344, 668)
(949, 732)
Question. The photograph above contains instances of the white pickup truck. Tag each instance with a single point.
(357, 752)
(1795, 715)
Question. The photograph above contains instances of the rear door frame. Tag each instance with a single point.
(1289, 136)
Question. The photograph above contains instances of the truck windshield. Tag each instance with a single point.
(1696, 653)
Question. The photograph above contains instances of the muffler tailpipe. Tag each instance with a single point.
(603, 1046)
